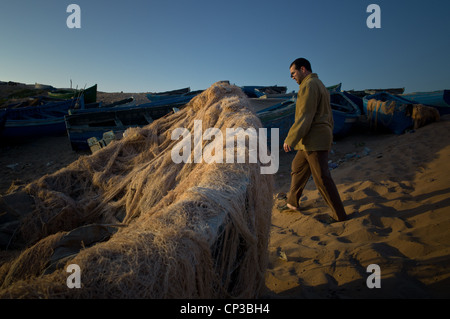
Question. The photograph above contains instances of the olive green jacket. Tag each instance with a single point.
(313, 126)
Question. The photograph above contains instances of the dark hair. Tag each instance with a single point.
(301, 62)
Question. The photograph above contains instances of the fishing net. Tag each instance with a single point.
(381, 111)
(423, 115)
(400, 116)
(139, 225)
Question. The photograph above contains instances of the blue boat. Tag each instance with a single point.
(388, 111)
(355, 100)
(89, 123)
(346, 110)
(275, 91)
(32, 121)
(153, 97)
(256, 91)
(275, 113)
(173, 98)
(438, 99)
(45, 116)
(278, 113)
(99, 106)
(335, 88)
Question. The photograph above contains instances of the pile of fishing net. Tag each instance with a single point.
(423, 115)
(139, 225)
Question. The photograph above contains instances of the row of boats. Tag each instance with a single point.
(82, 118)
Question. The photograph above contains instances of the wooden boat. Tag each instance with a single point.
(99, 106)
(130, 101)
(335, 88)
(256, 91)
(277, 113)
(39, 120)
(346, 112)
(268, 94)
(438, 99)
(90, 123)
(285, 96)
(173, 98)
(153, 97)
(363, 93)
(389, 111)
(89, 94)
(43, 116)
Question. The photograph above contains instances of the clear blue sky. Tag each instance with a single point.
(159, 45)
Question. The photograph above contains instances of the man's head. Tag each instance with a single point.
(300, 69)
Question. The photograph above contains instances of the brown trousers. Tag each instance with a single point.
(315, 163)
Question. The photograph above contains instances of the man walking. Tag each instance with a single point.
(311, 135)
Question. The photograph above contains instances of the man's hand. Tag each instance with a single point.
(286, 148)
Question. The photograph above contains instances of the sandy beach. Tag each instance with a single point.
(395, 189)
(397, 198)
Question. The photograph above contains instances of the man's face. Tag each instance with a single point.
(297, 75)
